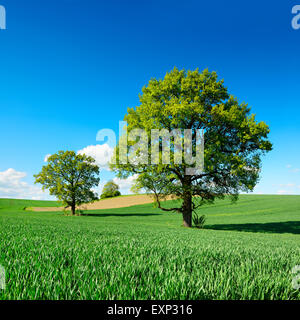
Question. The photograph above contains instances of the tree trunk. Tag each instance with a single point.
(187, 208)
(73, 208)
(187, 219)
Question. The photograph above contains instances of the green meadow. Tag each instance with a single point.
(246, 251)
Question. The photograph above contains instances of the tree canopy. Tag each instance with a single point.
(234, 141)
(70, 177)
(111, 189)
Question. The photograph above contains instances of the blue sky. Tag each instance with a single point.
(72, 67)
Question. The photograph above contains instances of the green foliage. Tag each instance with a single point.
(246, 251)
(110, 190)
(199, 221)
(234, 140)
(70, 177)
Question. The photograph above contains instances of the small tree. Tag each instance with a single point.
(70, 177)
(110, 190)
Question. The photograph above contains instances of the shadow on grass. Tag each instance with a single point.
(272, 227)
(119, 214)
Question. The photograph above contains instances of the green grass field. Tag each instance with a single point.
(246, 251)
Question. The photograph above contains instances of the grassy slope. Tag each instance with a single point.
(17, 205)
(246, 252)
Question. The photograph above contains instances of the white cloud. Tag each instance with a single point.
(282, 192)
(99, 188)
(47, 157)
(101, 153)
(125, 184)
(291, 185)
(288, 185)
(12, 186)
(292, 169)
(287, 188)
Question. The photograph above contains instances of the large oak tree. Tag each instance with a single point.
(234, 141)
